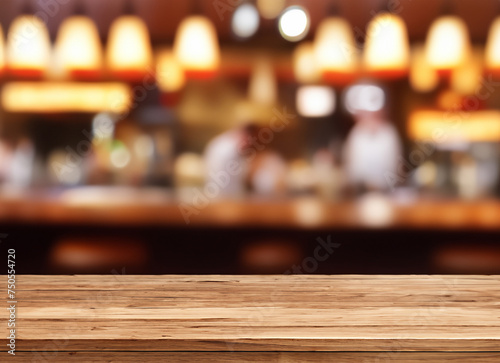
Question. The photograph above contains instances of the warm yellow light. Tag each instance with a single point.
(66, 97)
(197, 48)
(387, 52)
(447, 44)
(263, 89)
(78, 48)
(335, 50)
(28, 47)
(305, 68)
(423, 78)
(445, 127)
(129, 53)
(492, 53)
(466, 78)
(169, 73)
(189, 169)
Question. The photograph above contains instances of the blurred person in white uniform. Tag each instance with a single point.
(373, 147)
(226, 163)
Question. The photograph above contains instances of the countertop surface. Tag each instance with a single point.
(374, 315)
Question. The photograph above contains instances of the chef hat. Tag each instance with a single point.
(364, 97)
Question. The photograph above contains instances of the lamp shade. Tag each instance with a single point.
(78, 47)
(423, 78)
(28, 47)
(447, 44)
(305, 68)
(263, 89)
(492, 52)
(197, 48)
(387, 52)
(335, 50)
(129, 53)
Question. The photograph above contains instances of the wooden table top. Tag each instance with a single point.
(376, 315)
(131, 207)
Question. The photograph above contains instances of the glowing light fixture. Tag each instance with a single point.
(197, 48)
(423, 78)
(482, 126)
(263, 89)
(305, 68)
(492, 53)
(78, 47)
(387, 52)
(28, 47)
(245, 21)
(315, 101)
(129, 53)
(169, 73)
(65, 97)
(294, 23)
(270, 9)
(335, 50)
(447, 44)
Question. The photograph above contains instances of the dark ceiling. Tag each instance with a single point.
(163, 16)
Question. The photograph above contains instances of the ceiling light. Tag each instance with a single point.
(28, 47)
(387, 52)
(245, 21)
(294, 23)
(78, 47)
(196, 47)
(336, 51)
(129, 53)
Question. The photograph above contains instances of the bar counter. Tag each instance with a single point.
(150, 208)
(285, 318)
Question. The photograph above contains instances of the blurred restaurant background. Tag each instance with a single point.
(250, 136)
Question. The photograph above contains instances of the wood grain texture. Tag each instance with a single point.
(155, 208)
(257, 313)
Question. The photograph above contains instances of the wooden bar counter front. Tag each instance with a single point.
(294, 318)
